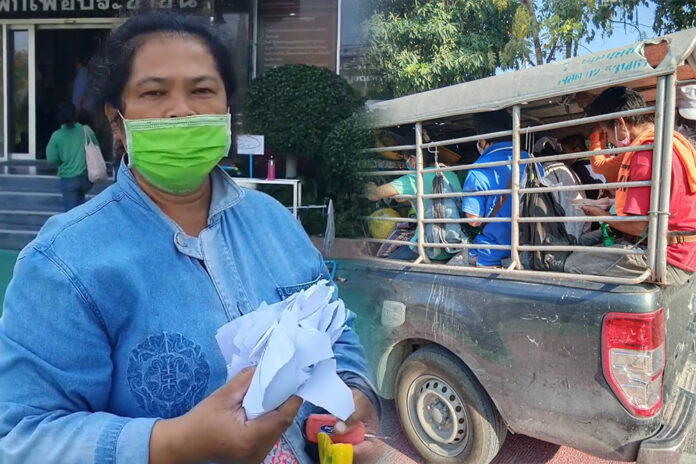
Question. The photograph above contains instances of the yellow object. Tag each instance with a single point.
(381, 229)
(333, 453)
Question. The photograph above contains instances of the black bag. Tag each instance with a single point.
(542, 204)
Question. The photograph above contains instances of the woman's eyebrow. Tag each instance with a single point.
(151, 79)
(199, 79)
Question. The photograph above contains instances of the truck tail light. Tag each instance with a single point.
(633, 359)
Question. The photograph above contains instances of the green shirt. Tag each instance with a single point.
(406, 185)
(67, 149)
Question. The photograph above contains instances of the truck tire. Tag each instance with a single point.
(444, 411)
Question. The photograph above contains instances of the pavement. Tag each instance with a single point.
(517, 449)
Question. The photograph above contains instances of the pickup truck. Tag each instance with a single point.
(607, 366)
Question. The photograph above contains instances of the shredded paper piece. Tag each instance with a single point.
(291, 345)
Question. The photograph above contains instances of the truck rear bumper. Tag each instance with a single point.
(666, 446)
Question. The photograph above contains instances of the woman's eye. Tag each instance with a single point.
(203, 91)
(153, 93)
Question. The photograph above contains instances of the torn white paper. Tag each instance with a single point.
(291, 345)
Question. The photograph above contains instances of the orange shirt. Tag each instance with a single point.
(606, 165)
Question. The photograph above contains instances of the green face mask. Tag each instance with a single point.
(176, 154)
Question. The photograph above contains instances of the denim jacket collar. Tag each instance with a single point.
(225, 193)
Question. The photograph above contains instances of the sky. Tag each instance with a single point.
(623, 35)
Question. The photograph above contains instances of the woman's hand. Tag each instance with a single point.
(371, 191)
(594, 211)
(371, 450)
(598, 139)
(217, 430)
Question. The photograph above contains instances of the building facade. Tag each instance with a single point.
(43, 43)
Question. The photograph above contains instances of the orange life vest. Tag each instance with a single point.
(685, 152)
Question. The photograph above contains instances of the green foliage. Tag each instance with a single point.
(674, 15)
(295, 106)
(310, 112)
(670, 15)
(341, 159)
(420, 45)
(545, 30)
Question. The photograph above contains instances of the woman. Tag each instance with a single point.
(444, 208)
(67, 149)
(636, 166)
(108, 333)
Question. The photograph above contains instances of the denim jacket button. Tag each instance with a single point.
(180, 240)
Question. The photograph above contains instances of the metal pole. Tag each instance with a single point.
(657, 169)
(338, 37)
(255, 37)
(420, 209)
(665, 178)
(520, 274)
(5, 104)
(515, 185)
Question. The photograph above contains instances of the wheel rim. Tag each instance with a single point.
(438, 415)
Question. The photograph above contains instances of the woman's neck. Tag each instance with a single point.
(189, 211)
(638, 130)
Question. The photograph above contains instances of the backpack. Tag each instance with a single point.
(442, 208)
(542, 204)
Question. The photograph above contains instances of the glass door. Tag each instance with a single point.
(20, 95)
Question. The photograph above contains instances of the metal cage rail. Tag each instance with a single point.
(659, 194)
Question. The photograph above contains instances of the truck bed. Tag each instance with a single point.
(533, 344)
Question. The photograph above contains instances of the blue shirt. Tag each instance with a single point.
(109, 322)
(80, 85)
(491, 178)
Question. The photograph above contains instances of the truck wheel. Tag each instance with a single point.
(444, 411)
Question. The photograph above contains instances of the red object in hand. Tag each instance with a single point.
(314, 425)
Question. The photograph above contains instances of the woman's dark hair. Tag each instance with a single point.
(112, 70)
(616, 99)
(428, 157)
(492, 121)
(66, 113)
(572, 142)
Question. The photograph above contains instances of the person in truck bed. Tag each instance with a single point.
(406, 185)
(635, 201)
(485, 206)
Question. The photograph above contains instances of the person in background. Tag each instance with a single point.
(66, 148)
(575, 143)
(635, 201)
(558, 173)
(406, 185)
(483, 206)
(685, 120)
(80, 85)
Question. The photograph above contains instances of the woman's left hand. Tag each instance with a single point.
(594, 211)
(370, 450)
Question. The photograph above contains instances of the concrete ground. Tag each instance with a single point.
(517, 449)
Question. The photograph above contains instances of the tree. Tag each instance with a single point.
(295, 106)
(674, 15)
(419, 45)
(546, 30)
(670, 15)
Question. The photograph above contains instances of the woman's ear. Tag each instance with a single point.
(621, 124)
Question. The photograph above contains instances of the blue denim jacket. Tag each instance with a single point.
(109, 322)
